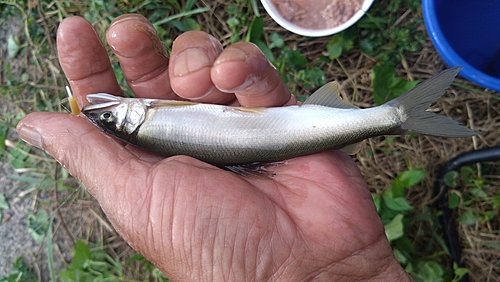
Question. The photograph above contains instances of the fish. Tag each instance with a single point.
(230, 135)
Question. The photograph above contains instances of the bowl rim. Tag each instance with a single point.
(272, 11)
(447, 52)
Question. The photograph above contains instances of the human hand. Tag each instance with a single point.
(314, 220)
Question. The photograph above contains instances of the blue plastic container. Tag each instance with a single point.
(467, 33)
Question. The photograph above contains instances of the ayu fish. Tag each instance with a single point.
(226, 136)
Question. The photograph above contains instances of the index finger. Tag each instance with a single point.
(84, 60)
(142, 56)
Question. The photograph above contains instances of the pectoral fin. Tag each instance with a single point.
(352, 149)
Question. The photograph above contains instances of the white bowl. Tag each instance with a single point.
(274, 13)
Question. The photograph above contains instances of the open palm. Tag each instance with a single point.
(314, 220)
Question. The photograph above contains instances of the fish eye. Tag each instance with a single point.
(107, 117)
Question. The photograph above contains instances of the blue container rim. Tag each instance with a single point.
(448, 54)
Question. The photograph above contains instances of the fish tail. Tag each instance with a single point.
(415, 102)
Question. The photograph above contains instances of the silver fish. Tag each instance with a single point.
(225, 135)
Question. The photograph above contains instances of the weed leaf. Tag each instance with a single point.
(3, 202)
(3, 205)
(386, 86)
(255, 30)
(450, 178)
(82, 255)
(20, 272)
(38, 225)
(339, 43)
(468, 218)
(4, 128)
(277, 41)
(254, 35)
(453, 200)
(430, 271)
(13, 46)
(394, 229)
(406, 179)
(397, 204)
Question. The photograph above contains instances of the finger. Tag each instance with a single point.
(244, 70)
(84, 60)
(193, 54)
(142, 56)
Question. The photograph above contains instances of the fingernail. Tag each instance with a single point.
(231, 55)
(128, 17)
(190, 60)
(30, 136)
(202, 95)
(238, 57)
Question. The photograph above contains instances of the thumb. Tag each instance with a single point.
(82, 149)
(110, 172)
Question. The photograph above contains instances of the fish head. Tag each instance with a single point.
(118, 116)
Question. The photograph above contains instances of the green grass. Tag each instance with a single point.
(480, 193)
(396, 214)
(387, 34)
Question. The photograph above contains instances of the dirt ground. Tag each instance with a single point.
(14, 235)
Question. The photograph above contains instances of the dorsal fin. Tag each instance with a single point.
(329, 96)
(252, 110)
(169, 103)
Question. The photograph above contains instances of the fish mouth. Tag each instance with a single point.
(100, 101)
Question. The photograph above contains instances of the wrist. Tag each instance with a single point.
(393, 272)
(387, 273)
(375, 263)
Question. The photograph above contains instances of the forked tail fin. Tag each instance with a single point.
(415, 102)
